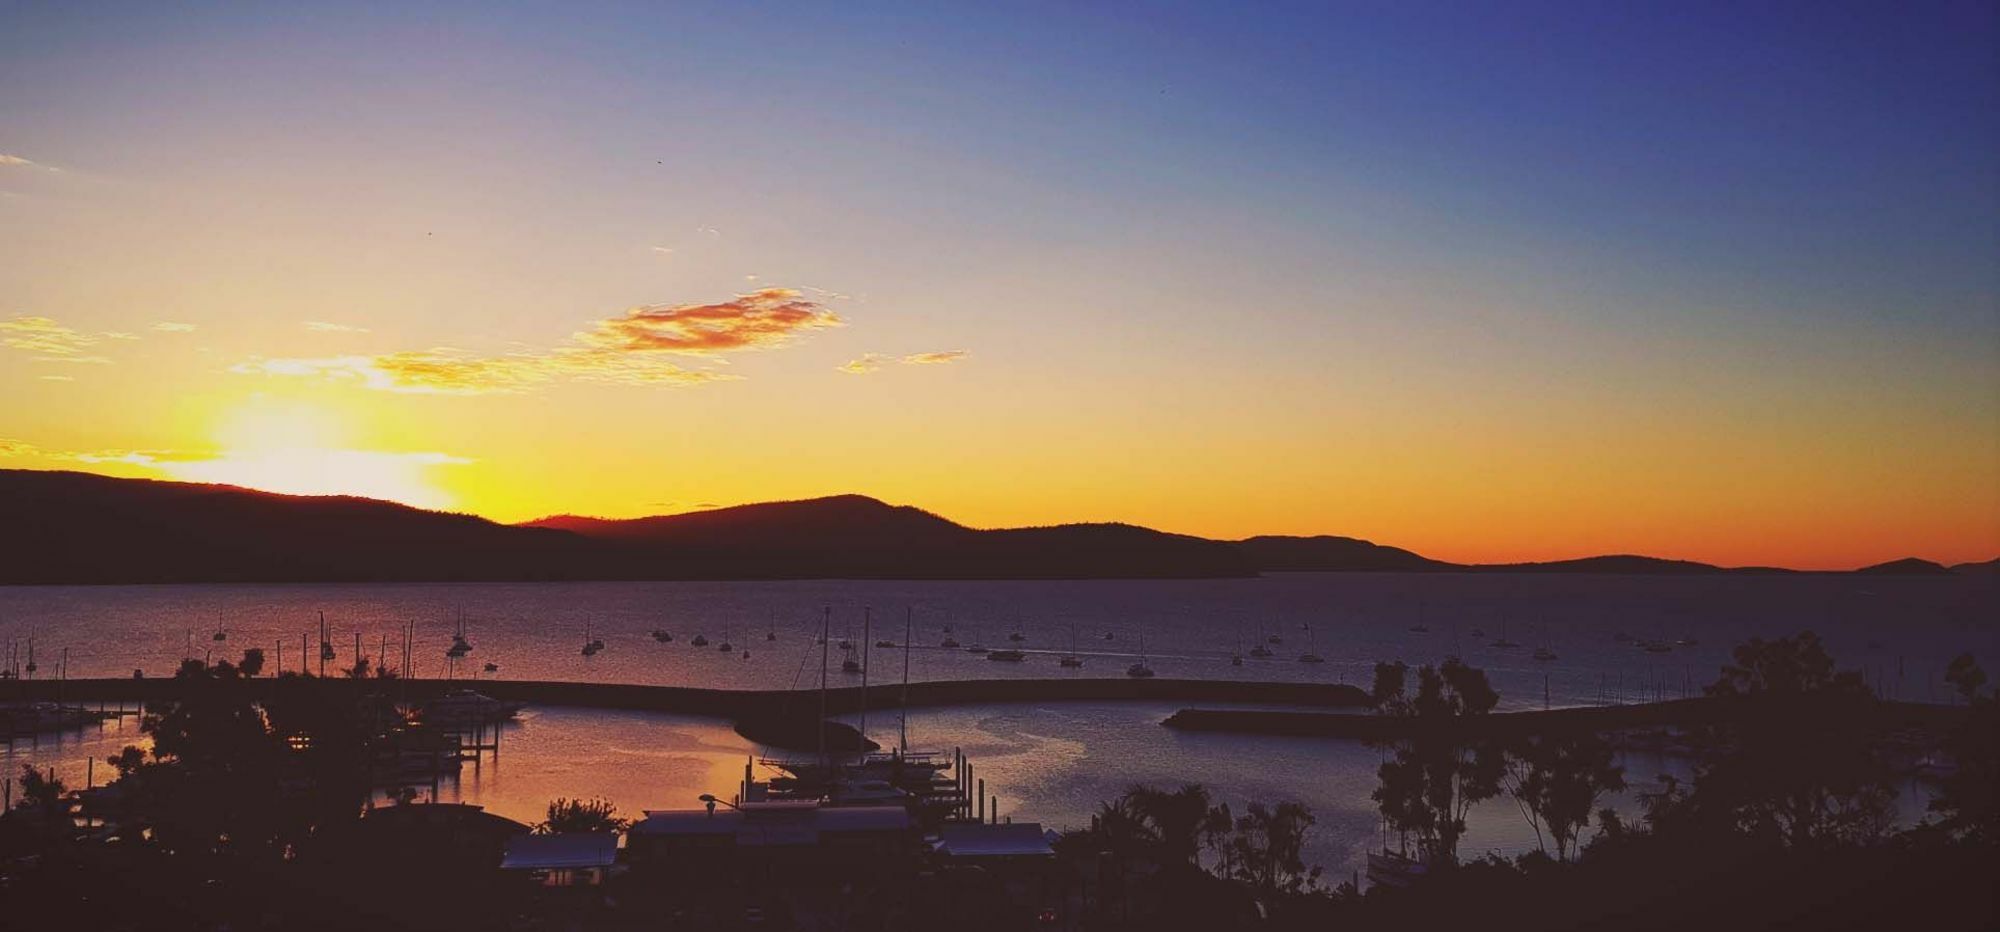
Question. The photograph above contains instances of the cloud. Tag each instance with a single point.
(50, 341)
(320, 326)
(148, 458)
(762, 319)
(935, 359)
(58, 378)
(623, 350)
(869, 362)
(446, 371)
(873, 362)
(173, 326)
(664, 250)
(8, 160)
(442, 371)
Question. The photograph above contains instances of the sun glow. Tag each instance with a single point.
(300, 449)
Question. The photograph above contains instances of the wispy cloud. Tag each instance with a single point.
(321, 326)
(873, 362)
(765, 318)
(869, 362)
(626, 350)
(149, 458)
(664, 250)
(173, 326)
(48, 340)
(8, 160)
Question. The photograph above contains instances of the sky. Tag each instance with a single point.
(1488, 281)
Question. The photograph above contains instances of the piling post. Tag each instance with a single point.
(90, 773)
(982, 799)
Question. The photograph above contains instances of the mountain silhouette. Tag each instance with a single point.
(1908, 566)
(1326, 553)
(72, 527)
(854, 535)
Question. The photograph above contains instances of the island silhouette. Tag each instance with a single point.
(63, 527)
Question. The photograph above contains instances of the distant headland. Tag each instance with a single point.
(81, 528)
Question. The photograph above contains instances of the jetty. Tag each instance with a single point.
(735, 703)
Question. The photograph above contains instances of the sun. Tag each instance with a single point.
(299, 448)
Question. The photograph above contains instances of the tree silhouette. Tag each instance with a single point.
(1965, 799)
(1794, 763)
(1266, 849)
(580, 816)
(1557, 782)
(40, 792)
(1437, 772)
(1174, 820)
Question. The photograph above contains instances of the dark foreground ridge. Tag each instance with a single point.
(82, 528)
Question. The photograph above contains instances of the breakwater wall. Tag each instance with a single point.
(734, 703)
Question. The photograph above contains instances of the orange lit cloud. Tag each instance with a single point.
(321, 326)
(869, 362)
(937, 358)
(173, 326)
(759, 320)
(873, 362)
(623, 350)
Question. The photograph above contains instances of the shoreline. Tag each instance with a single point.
(736, 703)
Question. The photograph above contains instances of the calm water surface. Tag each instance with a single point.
(1901, 631)
(1049, 762)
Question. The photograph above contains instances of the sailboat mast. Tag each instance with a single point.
(825, 628)
(903, 722)
(867, 646)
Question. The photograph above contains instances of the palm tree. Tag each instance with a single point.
(1174, 819)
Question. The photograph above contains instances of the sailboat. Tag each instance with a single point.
(1542, 651)
(459, 645)
(663, 636)
(220, 634)
(1309, 656)
(1140, 670)
(700, 640)
(1502, 642)
(1071, 659)
(725, 646)
(850, 663)
(590, 645)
